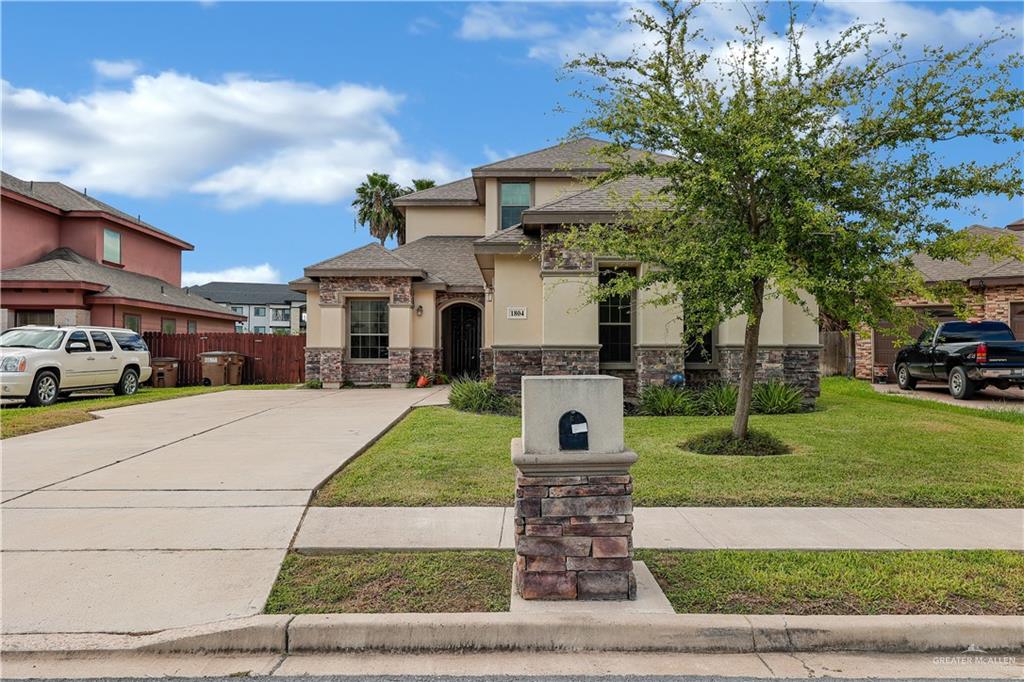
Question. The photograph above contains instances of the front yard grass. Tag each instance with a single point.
(842, 583)
(858, 448)
(16, 420)
(716, 581)
(393, 582)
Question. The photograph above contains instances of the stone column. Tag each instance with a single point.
(574, 507)
(71, 317)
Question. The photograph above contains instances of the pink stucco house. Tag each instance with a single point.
(68, 258)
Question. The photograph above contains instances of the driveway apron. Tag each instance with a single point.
(171, 513)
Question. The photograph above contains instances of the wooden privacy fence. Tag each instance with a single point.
(836, 353)
(269, 358)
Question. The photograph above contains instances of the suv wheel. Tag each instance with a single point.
(960, 386)
(128, 384)
(903, 378)
(45, 389)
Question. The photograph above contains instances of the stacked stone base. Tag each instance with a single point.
(574, 537)
(331, 366)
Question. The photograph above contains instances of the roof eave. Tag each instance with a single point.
(503, 249)
(7, 283)
(539, 218)
(170, 307)
(435, 202)
(148, 231)
(360, 272)
(537, 172)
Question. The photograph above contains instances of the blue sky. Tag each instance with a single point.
(242, 127)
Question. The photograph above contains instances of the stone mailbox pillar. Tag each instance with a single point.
(574, 502)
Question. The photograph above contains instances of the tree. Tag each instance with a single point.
(375, 205)
(783, 169)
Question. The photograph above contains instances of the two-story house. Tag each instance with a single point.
(68, 258)
(476, 291)
(268, 308)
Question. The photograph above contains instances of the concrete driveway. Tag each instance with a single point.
(172, 513)
(989, 398)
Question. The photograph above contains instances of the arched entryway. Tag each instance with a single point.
(460, 339)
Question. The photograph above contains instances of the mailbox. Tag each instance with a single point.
(572, 431)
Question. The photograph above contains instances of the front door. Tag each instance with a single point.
(460, 340)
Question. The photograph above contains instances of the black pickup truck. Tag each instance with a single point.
(967, 355)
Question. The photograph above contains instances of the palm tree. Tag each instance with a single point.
(375, 202)
(376, 210)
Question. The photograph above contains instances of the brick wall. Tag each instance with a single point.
(795, 366)
(562, 361)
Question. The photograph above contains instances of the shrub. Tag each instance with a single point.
(722, 442)
(441, 378)
(481, 397)
(666, 401)
(314, 383)
(718, 399)
(776, 397)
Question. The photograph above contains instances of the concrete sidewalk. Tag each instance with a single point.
(172, 513)
(340, 529)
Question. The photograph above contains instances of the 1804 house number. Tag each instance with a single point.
(516, 312)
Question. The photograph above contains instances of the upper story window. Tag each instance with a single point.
(259, 311)
(282, 314)
(615, 324)
(111, 246)
(515, 198)
(368, 328)
(238, 310)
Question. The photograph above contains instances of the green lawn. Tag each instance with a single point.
(16, 420)
(845, 583)
(393, 582)
(791, 582)
(858, 448)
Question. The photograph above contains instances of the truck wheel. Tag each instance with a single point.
(44, 391)
(903, 378)
(960, 387)
(128, 384)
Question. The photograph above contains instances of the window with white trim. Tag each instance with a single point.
(368, 328)
(515, 198)
(112, 246)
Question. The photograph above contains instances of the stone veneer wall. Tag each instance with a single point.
(654, 364)
(511, 364)
(555, 258)
(797, 366)
(574, 537)
(993, 303)
(563, 361)
(333, 289)
(425, 361)
(486, 363)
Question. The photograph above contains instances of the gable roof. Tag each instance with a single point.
(66, 199)
(510, 240)
(247, 293)
(459, 192)
(982, 267)
(372, 259)
(446, 259)
(593, 204)
(65, 265)
(571, 158)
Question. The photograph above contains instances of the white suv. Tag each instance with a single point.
(41, 363)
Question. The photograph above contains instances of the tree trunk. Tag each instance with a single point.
(748, 363)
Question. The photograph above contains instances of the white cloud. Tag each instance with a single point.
(119, 70)
(240, 140)
(422, 25)
(484, 22)
(241, 273)
(492, 154)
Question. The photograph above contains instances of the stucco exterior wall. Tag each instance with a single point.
(443, 221)
(424, 326)
(546, 190)
(657, 325)
(517, 282)
(782, 323)
(569, 318)
(491, 205)
(313, 318)
(27, 233)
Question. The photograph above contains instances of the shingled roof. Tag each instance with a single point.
(65, 265)
(572, 158)
(64, 198)
(458, 193)
(509, 240)
(593, 204)
(247, 293)
(372, 259)
(446, 259)
(982, 267)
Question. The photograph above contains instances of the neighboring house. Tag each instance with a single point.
(473, 291)
(268, 308)
(997, 285)
(69, 259)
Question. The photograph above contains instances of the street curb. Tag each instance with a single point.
(683, 633)
(263, 633)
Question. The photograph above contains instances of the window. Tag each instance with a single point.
(133, 322)
(239, 328)
(168, 325)
(43, 318)
(259, 312)
(701, 352)
(368, 329)
(259, 330)
(111, 246)
(615, 323)
(78, 337)
(515, 198)
(237, 310)
(127, 341)
(101, 341)
(282, 315)
(193, 326)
